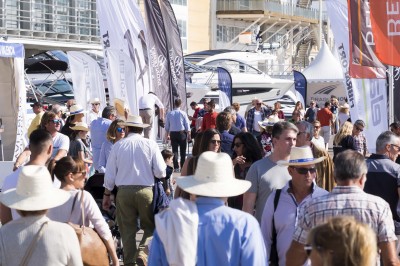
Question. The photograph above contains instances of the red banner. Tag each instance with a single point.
(385, 18)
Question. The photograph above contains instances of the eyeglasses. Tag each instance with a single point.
(237, 144)
(398, 147)
(304, 171)
(120, 129)
(317, 127)
(215, 141)
(308, 249)
(95, 103)
(56, 121)
(359, 129)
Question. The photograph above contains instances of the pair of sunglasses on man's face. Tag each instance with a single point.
(304, 170)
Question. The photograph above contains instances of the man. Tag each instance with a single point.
(207, 232)
(311, 114)
(240, 122)
(37, 108)
(94, 113)
(70, 103)
(281, 208)
(317, 140)
(58, 110)
(360, 141)
(395, 128)
(233, 128)
(203, 111)
(335, 110)
(255, 115)
(193, 119)
(325, 117)
(146, 111)
(209, 119)
(348, 199)
(325, 177)
(383, 177)
(224, 121)
(132, 165)
(98, 133)
(178, 131)
(265, 175)
(41, 148)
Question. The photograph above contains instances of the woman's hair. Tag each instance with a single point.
(277, 105)
(343, 241)
(298, 106)
(74, 133)
(197, 143)
(64, 166)
(252, 150)
(46, 118)
(345, 130)
(205, 140)
(112, 130)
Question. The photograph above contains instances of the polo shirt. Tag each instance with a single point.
(209, 121)
(324, 116)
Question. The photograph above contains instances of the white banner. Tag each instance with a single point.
(21, 138)
(122, 29)
(366, 97)
(87, 80)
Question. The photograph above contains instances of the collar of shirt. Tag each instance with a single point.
(375, 156)
(346, 190)
(177, 108)
(288, 187)
(133, 136)
(209, 201)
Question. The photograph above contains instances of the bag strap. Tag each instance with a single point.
(32, 245)
(276, 201)
(73, 205)
(82, 211)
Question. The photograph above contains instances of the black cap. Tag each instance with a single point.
(36, 103)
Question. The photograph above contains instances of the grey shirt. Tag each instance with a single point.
(265, 176)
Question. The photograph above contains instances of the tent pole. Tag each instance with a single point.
(391, 88)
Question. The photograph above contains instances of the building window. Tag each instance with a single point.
(178, 2)
(183, 33)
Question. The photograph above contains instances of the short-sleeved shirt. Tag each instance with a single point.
(265, 176)
(325, 116)
(60, 142)
(148, 101)
(240, 121)
(209, 121)
(346, 201)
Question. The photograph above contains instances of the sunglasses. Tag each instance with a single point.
(120, 129)
(304, 171)
(317, 127)
(237, 144)
(359, 129)
(214, 141)
(56, 121)
(95, 104)
(398, 147)
(259, 104)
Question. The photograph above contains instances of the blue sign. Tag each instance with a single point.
(12, 50)
(300, 83)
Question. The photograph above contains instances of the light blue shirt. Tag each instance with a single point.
(226, 236)
(104, 153)
(177, 120)
(98, 134)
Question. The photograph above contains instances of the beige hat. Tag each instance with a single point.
(134, 121)
(95, 100)
(76, 109)
(119, 107)
(34, 191)
(301, 156)
(80, 126)
(345, 106)
(269, 122)
(214, 177)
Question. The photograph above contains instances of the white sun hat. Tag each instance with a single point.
(301, 156)
(269, 122)
(214, 177)
(134, 121)
(76, 109)
(95, 100)
(80, 126)
(34, 191)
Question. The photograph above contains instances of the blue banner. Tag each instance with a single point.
(300, 83)
(225, 87)
(12, 50)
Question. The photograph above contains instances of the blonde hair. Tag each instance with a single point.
(343, 241)
(345, 130)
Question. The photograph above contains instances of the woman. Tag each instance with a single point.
(299, 107)
(114, 134)
(343, 140)
(277, 109)
(78, 146)
(33, 196)
(344, 114)
(317, 140)
(342, 241)
(246, 151)
(76, 114)
(265, 138)
(71, 172)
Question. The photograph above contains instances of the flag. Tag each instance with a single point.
(385, 17)
(300, 83)
(225, 88)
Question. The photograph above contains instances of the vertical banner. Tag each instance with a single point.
(175, 53)
(20, 86)
(87, 79)
(367, 97)
(385, 18)
(158, 51)
(123, 36)
(300, 83)
(225, 88)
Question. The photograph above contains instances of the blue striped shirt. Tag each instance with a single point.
(177, 120)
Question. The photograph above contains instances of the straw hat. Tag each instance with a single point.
(134, 121)
(345, 106)
(269, 122)
(80, 126)
(214, 177)
(34, 191)
(95, 100)
(76, 109)
(301, 156)
(119, 107)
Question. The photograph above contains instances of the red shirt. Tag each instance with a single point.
(195, 115)
(325, 117)
(209, 121)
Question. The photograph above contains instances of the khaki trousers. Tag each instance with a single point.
(148, 118)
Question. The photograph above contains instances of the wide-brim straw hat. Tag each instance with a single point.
(34, 191)
(95, 100)
(76, 109)
(80, 126)
(214, 177)
(345, 106)
(119, 105)
(134, 121)
(301, 156)
(269, 122)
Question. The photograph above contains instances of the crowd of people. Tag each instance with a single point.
(258, 189)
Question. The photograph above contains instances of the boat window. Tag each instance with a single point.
(249, 91)
(233, 66)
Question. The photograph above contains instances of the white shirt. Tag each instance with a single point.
(257, 118)
(60, 142)
(134, 160)
(93, 116)
(319, 142)
(148, 101)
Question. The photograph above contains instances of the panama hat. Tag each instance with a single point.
(76, 109)
(214, 177)
(301, 156)
(80, 126)
(119, 107)
(34, 191)
(269, 122)
(134, 121)
(95, 100)
(345, 106)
